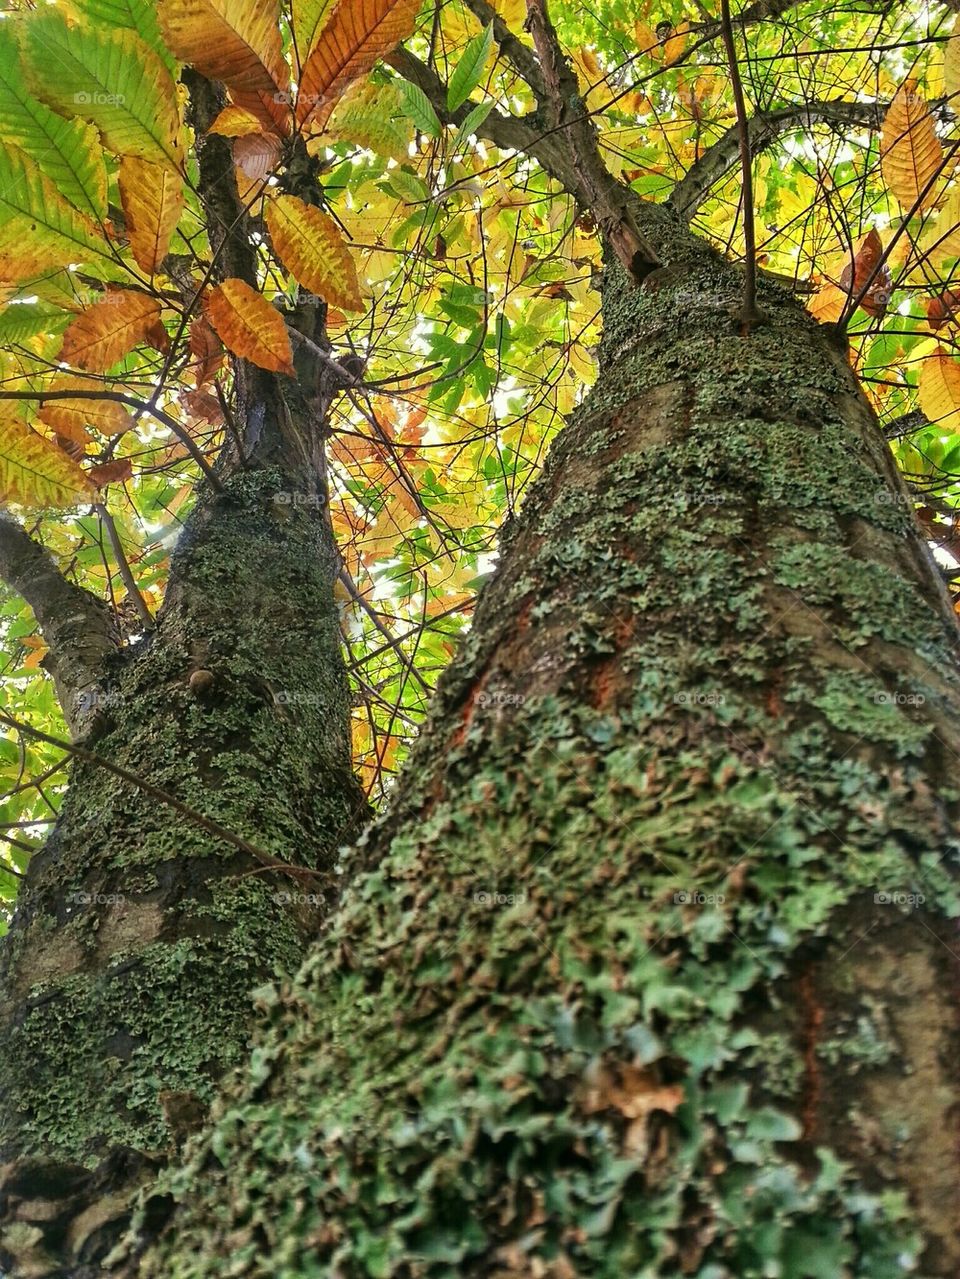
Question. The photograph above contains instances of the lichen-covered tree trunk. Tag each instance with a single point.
(652, 969)
(127, 975)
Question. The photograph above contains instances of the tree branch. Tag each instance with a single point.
(763, 130)
(568, 151)
(77, 628)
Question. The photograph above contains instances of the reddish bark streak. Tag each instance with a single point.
(812, 1084)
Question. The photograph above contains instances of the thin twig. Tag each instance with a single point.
(126, 574)
(750, 314)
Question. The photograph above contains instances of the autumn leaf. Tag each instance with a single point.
(939, 390)
(249, 326)
(310, 246)
(152, 199)
(35, 473)
(256, 154)
(358, 33)
(110, 78)
(910, 151)
(110, 472)
(236, 122)
(951, 63)
(854, 276)
(943, 308)
(38, 228)
(235, 41)
(105, 332)
(206, 351)
(675, 44)
(72, 417)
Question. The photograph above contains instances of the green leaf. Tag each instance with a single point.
(22, 320)
(134, 15)
(420, 110)
(110, 78)
(67, 151)
(467, 73)
(407, 186)
(471, 124)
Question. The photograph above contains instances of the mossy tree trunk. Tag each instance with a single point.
(127, 974)
(652, 968)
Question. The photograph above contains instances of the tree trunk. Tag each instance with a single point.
(651, 969)
(127, 974)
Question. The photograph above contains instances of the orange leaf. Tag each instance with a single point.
(311, 247)
(942, 308)
(675, 44)
(105, 332)
(358, 33)
(910, 151)
(152, 199)
(72, 417)
(249, 326)
(236, 41)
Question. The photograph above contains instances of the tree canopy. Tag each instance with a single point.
(457, 276)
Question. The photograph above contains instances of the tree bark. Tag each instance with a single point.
(651, 968)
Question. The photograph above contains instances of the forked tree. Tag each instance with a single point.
(649, 965)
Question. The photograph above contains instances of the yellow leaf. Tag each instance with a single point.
(827, 305)
(38, 228)
(310, 246)
(236, 41)
(675, 45)
(939, 390)
(910, 151)
(646, 40)
(357, 34)
(941, 237)
(105, 332)
(249, 326)
(71, 417)
(35, 473)
(235, 122)
(152, 199)
(951, 64)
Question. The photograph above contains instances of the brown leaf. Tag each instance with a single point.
(207, 351)
(110, 472)
(854, 275)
